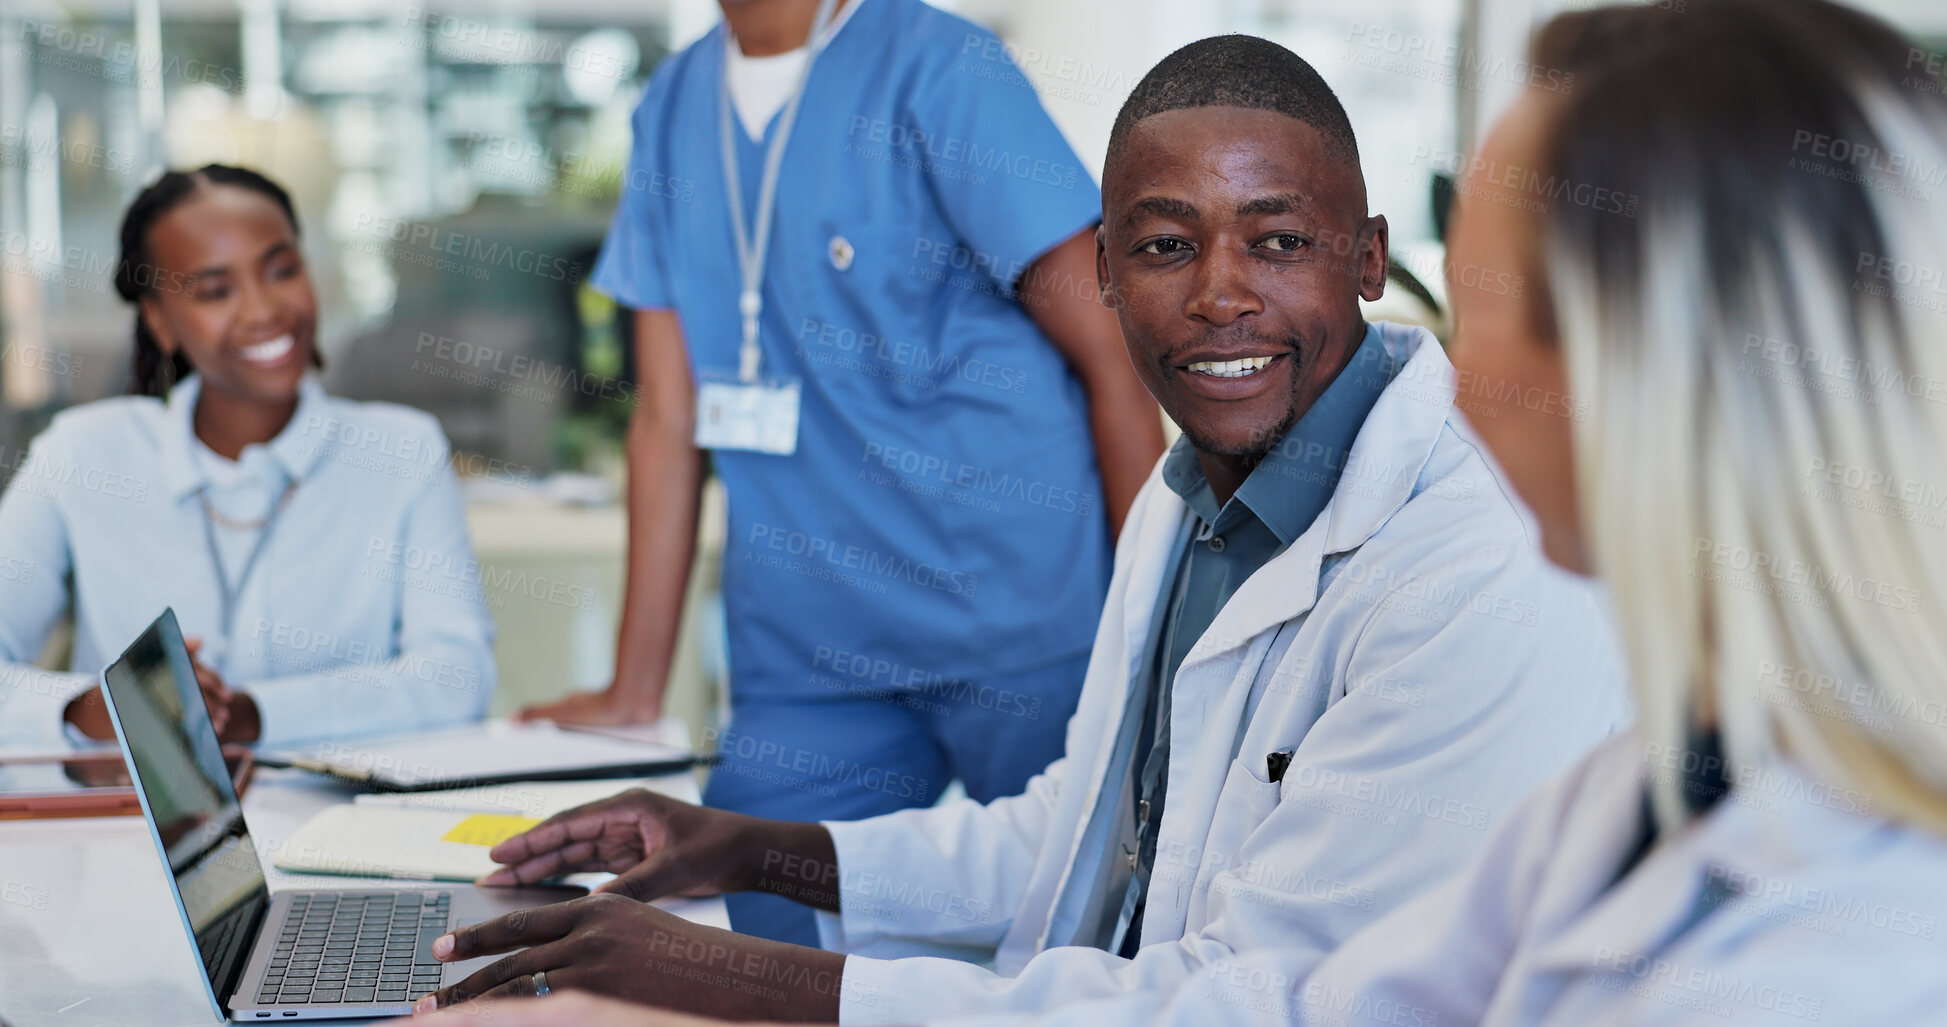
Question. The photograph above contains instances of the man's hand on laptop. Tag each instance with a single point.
(570, 1009)
(615, 946)
(660, 846)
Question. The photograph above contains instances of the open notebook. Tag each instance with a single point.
(438, 836)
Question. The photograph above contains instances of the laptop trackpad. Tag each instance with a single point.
(476, 905)
(454, 973)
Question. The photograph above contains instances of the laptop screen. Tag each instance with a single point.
(187, 797)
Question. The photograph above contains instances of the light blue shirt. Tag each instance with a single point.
(364, 612)
(942, 516)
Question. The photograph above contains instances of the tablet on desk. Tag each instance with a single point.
(35, 786)
(492, 753)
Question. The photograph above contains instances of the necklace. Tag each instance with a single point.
(234, 524)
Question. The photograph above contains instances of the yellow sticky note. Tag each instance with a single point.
(488, 828)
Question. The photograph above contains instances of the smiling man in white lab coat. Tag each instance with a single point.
(1331, 657)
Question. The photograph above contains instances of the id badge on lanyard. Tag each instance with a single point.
(759, 416)
(749, 411)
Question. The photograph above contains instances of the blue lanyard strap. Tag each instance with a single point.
(752, 246)
(227, 593)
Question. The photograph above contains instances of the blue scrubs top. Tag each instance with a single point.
(942, 516)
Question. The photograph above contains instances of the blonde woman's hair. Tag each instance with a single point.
(1759, 337)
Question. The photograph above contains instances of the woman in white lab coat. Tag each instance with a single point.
(1736, 233)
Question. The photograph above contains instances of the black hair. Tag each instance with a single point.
(136, 274)
(1238, 71)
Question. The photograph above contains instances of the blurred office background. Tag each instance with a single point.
(498, 130)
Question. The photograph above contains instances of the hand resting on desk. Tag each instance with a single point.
(614, 944)
(659, 846)
(234, 714)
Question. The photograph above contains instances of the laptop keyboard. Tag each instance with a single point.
(356, 947)
(218, 943)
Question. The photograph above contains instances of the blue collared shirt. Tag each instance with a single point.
(364, 612)
(1280, 498)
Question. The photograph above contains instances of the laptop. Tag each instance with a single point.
(292, 955)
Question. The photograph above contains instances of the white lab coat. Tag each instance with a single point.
(1788, 903)
(1412, 646)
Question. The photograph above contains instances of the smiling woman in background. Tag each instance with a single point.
(314, 548)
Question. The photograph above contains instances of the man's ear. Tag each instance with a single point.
(152, 318)
(1103, 290)
(1372, 263)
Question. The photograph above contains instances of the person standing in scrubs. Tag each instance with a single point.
(861, 258)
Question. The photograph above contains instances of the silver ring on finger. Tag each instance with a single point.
(541, 983)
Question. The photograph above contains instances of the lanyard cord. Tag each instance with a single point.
(752, 246)
(225, 590)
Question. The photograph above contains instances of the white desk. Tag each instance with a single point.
(89, 934)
